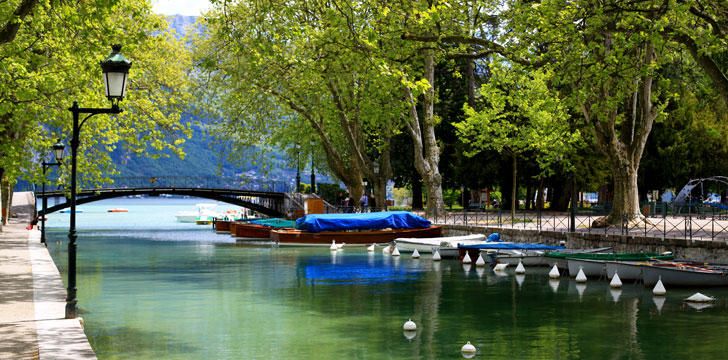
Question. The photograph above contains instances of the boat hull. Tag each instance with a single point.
(674, 276)
(513, 260)
(222, 226)
(627, 270)
(425, 245)
(349, 237)
(591, 268)
(244, 230)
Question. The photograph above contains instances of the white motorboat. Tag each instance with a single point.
(203, 210)
(425, 245)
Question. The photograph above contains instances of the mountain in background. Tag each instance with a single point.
(201, 160)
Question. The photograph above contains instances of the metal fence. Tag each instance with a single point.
(706, 226)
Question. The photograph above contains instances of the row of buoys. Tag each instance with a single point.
(410, 329)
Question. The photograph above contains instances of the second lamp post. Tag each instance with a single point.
(58, 150)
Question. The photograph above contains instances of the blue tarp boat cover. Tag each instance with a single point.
(512, 246)
(720, 206)
(494, 237)
(365, 221)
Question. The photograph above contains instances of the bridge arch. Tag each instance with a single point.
(269, 203)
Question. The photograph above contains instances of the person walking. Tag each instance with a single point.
(363, 202)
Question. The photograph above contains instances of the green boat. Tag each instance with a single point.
(561, 259)
(639, 256)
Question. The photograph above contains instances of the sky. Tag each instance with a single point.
(180, 7)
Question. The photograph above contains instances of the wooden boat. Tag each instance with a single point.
(260, 229)
(114, 210)
(222, 226)
(425, 245)
(685, 274)
(353, 237)
(355, 228)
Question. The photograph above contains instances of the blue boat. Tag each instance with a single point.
(474, 250)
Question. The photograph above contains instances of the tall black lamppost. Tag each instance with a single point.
(381, 178)
(115, 69)
(313, 176)
(58, 150)
(298, 168)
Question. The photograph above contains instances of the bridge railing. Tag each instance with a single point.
(211, 182)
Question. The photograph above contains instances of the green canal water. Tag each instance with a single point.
(150, 288)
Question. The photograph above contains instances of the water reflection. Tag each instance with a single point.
(615, 294)
(554, 283)
(175, 300)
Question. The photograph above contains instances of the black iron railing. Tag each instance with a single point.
(705, 226)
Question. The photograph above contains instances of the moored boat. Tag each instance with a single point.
(203, 216)
(596, 264)
(560, 258)
(425, 245)
(222, 226)
(474, 250)
(260, 229)
(685, 274)
(355, 229)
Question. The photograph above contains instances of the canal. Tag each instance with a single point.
(152, 288)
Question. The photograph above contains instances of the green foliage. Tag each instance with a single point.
(54, 61)
(520, 114)
(329, 192)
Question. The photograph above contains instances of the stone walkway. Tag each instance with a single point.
(32, 299)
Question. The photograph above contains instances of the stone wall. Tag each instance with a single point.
(683, 249)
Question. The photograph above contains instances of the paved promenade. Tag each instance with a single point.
(32, 299)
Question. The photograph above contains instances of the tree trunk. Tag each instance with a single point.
(539, 198)
(529, 197)
(626, 196)
(514, 186)
(426, 151)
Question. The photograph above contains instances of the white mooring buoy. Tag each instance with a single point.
(466, 259)
(333, 245)
(415, 254)
(554, 273)
(395, 252)
(580, 277)
(386, 249)
(409, 325)
(436, 256)
(520, 269)
(659, 289)
(616, 281)
(340, 246)
(468, 348)
(698, 297)
(480, 261)
(500, 267)
(372, 247)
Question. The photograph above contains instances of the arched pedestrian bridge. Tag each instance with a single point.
(269, 197)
